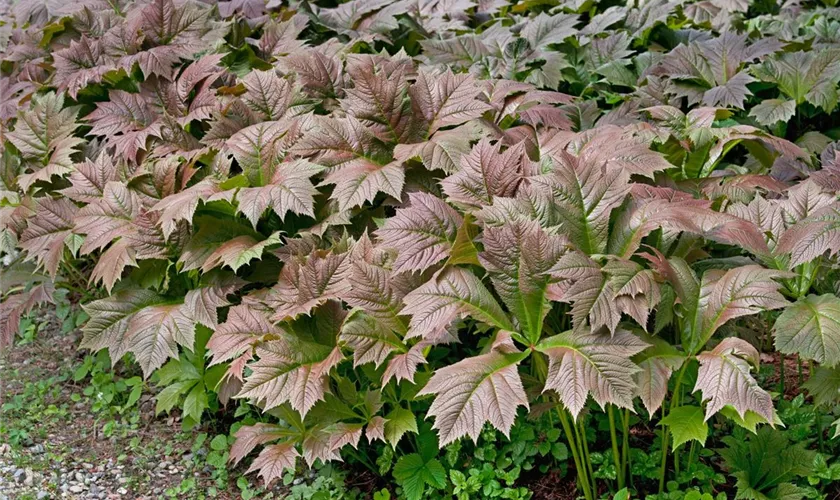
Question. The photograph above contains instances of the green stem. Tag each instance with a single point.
(625, 447)
(674, 404)
(800, 376)
(585, 455)
(664, 460)
(581, 470)
(691, 454)
(619, 472)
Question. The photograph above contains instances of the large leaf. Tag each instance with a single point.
(657, 363)
(585, 193)
(810, 328)
(110, 318)
(422, 233)
(724, 379)
(290, 372)
(485, 174)
(452, 292)
(45, 236)
(44, 137)
(592, 363)
(518, 257)
(686, 423)
(484, 388)
(444, 99)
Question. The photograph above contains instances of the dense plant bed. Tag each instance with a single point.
(366, 231)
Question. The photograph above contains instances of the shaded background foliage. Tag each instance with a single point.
(359, 216)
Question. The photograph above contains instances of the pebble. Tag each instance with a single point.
(42, 495)
(76, 488)
(19, 475)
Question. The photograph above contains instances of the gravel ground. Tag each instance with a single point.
(52, 444)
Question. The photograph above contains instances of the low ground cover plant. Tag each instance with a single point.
(558, 232)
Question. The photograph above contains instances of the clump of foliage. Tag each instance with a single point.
(363, 216)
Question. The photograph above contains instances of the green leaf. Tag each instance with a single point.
(686, 423)
(771, 111)
(413, 473)
(170, 395)
(219, 443)
(397, 423)
(463, 249)
(811, 328)
(196, 402)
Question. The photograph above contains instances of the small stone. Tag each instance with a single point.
(76, 488)
(42, 495)
(122, 491)
(87, 465)
(19, 475)
(79, 477)
(123, 480)
(37, 449)
(163, 465)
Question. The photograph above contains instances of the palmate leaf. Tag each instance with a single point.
(724, 379)
(450, 293)
(47, 232)
(589, 289)
(375, 288)
(289, 371)
(259, 149)
(485, 174)
(44, 137)
(444, 99)
(686, 423)
(289, 190)
(738, 292)
(804, 76)
(361, 166)
(771, 111)
(370, 340)
(812, 236)
(182, 206)
(154, 333)
(305, 285)
(15, 305)
(239, 251)
(126, 121)
(766, 464)
(211, 235)
(249, 437)
(477, 390)
(518, 257)
(397, 423)
(325, 442)
(267, 94)
(245, 327)
(108, 218)
(657, 363)
(585, 194)
(82, 63)
(379, 97)
(824, 386)
(110, 318)
(273, 460)
(592, 363)
(810, 327)
(422, 234)
(444, 150)
(89, 178)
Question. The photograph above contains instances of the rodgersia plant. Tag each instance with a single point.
(358, 217)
